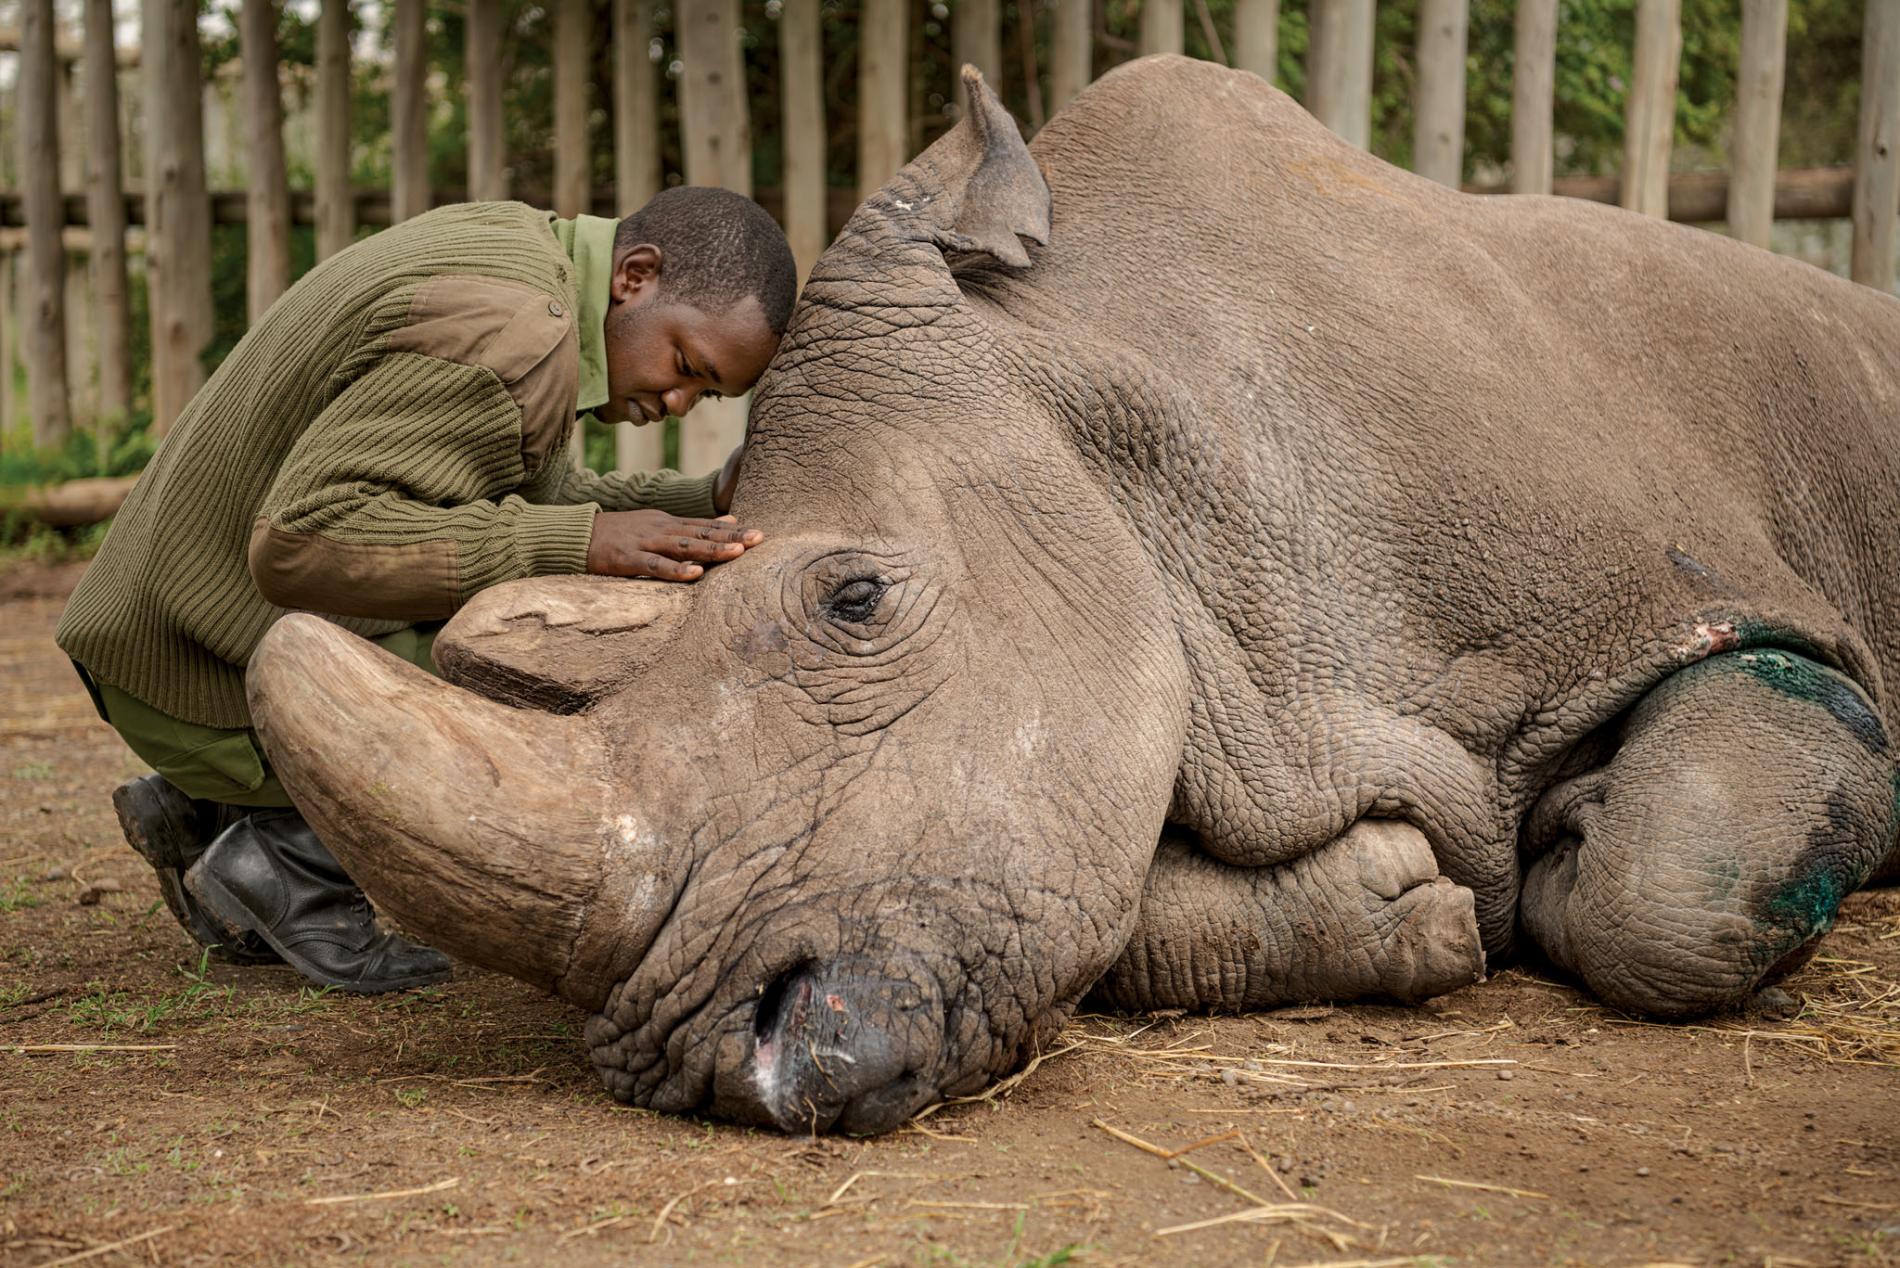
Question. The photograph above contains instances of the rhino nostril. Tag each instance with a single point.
(839, 1043)
(775, 998)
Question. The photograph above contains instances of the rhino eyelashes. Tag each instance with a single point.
(856, 601)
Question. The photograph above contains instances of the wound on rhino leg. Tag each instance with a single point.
(1750, 793)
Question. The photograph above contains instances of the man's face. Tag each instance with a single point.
(664, 356)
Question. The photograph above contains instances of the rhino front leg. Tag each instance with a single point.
(1366, 915)
(1749, 794)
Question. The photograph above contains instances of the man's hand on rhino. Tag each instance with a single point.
(655, 544)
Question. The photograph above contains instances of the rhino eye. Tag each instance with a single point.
(855, 602)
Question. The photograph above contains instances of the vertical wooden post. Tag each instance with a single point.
(1533, 96)
(1876, 162)
(7, 322)
(801, 76)
(1256, 36)
(883, 114)
(1032, 73)
(716, 136)
(1071, 49)
(487, 150)
(636, 178)
(336, 208)
(1751, 186)
(1162, 27)
(1651, 114)
(82, 395)
(177, 208)
(1339, 68)
(975, 37)
(45, 309)
(267, 224)
(409, 113)
(573, 31)
(105, 211)
(1438, 132)
(636, 107)
(715, 128)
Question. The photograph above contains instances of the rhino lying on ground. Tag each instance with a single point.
(1286, 579)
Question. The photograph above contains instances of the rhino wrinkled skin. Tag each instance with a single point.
(1234, 571)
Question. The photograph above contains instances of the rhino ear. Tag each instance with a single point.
(988, 193)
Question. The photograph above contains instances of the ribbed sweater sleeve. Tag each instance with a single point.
(395, 501)
(690, 497)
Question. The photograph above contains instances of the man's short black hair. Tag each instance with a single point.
(716, 248)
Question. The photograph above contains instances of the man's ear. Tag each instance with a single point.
(636, 273)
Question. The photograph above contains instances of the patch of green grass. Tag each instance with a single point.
(11, 995)
(1064, 1255)
(412, 1097)
(34, 770)
(14, 896)
(116, 1010)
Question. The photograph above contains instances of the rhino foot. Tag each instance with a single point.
(1367, 915)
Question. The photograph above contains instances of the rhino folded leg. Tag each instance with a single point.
(1750, 793)
(1366, 915)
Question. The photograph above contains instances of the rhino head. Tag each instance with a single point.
(852, 824)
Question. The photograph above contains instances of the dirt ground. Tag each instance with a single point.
(155, 1109)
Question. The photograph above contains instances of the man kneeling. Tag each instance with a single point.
(388, 440)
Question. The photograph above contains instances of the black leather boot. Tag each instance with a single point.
(171, 830)
(268, 874)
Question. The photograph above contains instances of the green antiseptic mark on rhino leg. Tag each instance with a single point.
(1808, 901)
(1802, 679)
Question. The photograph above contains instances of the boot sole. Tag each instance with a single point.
(222, 901)
(170, 865)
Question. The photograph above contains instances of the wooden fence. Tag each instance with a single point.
(73, 322)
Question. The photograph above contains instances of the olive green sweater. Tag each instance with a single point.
(387, 441)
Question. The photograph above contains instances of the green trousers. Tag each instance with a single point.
(212, 764)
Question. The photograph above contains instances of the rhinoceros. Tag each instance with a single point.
(1207, 567)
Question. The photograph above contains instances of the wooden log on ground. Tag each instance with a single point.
(77, 503)
(1755, 149)
(1071, 51)
(1438, 132)
(335, 203)
(409, 112)
(1339, 68)
(1163, 27)
(883, 100)
(487, 149)
(1876, 163)
(976, 37)
(1257, 36)
(1650, 125)
(1533, 95)
(268, 230)
(801, 78)
(177, 207)
(573, 84)
(44, 334)
(106, 214)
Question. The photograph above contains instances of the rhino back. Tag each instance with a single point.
(1458, 478)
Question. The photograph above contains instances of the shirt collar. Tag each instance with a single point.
(589, 242)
